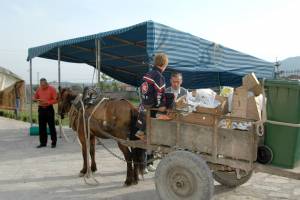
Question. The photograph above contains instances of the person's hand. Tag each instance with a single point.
(162, 109)
(169, 111)
(42, 102)
(34, 99)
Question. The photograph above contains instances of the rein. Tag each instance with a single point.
(77, 106)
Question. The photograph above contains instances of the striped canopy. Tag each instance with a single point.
(127, 53)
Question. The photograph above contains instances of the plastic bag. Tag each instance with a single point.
(203, 98)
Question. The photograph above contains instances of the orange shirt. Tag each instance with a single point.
(48, 95)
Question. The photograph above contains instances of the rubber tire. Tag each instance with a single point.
(194, 171)
(264, 154)
(229, 179)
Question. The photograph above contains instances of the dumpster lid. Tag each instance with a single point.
(283, 83)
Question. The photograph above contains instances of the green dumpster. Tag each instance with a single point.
(283, 105)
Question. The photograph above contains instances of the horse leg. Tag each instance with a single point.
(128, 158)
(139, 163)
(135, 165)
(84, 152)
(92, 153)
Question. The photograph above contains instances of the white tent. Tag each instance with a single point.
(12, 90)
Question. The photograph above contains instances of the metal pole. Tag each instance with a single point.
(96, 60)
(58, 55)
(58, 62)
(30, 80)
(99, 60)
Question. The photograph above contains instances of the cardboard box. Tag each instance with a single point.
(257, 90)
(244, 106)
(253, 109)
(241, 91)
(239, 102)
(220, 110)
(251, 83)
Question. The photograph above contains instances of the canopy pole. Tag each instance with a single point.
(59, 88)
(58, 59)
(61, 131)
(98, 60)
(30, 80)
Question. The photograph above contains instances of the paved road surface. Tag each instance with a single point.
(27, 173)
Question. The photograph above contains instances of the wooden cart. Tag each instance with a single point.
(196, 151)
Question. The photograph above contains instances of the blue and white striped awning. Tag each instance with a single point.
(127, 53)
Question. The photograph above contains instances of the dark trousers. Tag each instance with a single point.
(149, 157)
(141, 119)
(46, 116)
(141, 125)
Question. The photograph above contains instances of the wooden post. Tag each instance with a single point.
(30, 80)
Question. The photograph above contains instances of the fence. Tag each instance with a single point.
(290, 74)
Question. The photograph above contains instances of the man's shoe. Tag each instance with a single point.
(40, 146)
(151, 168)
(53, 145)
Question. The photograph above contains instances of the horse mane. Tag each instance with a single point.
(72, 94)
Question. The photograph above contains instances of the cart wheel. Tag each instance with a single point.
(183, 175)
(264, 154)
(230, 179)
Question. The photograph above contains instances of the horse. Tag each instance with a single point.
(114, 116)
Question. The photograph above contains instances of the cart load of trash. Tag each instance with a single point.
(244, 104)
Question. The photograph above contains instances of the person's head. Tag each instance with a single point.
(43, 83)
(161, 61)
(176, 80)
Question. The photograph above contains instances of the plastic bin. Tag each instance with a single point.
(34, 131)
(283, 105)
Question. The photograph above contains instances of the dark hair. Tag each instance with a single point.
(43, 79)
(174, 74)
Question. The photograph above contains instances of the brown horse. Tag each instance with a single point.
(117, 117)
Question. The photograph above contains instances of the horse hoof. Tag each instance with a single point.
(127, 183)
(94, 169)
(81, 174)
(135, 182)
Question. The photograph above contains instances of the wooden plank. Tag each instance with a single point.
(162, 132)
(196, 138)
(198, 118)
(215, 140)
(235, 144)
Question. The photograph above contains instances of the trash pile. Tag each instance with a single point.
(244, 103)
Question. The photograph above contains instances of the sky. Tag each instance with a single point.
(267, 29)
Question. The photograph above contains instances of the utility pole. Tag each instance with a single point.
(277, 73)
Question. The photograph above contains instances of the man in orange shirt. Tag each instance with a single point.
(46, 96)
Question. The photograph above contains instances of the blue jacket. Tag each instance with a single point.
(152, 89)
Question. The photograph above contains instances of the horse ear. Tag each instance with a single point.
(62, 91)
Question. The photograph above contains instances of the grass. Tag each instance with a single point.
(135, 102)
(25, 115)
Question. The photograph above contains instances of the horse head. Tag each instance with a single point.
(65, 98)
